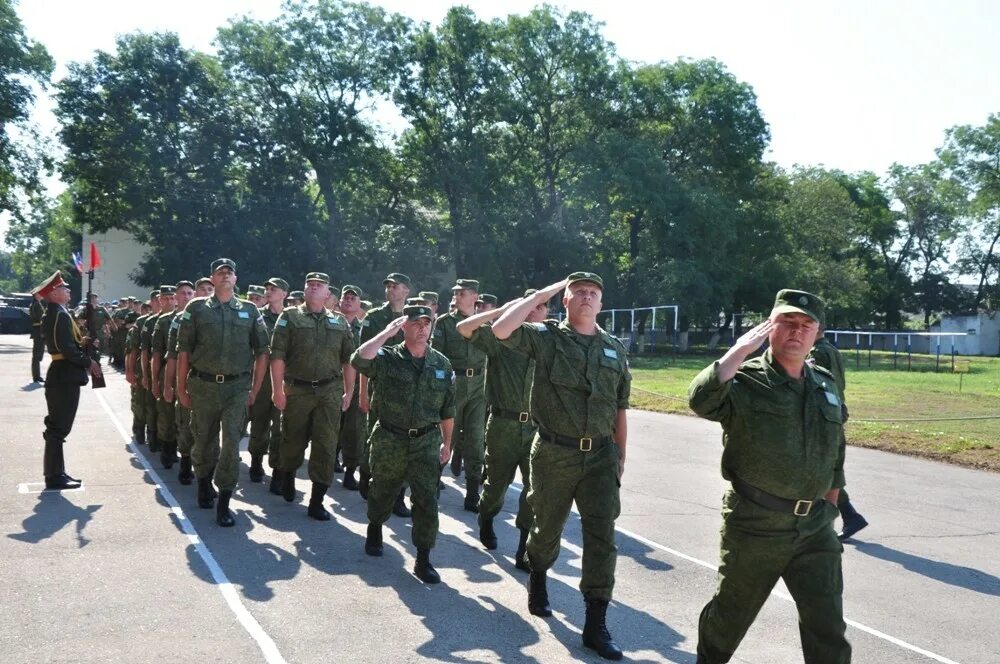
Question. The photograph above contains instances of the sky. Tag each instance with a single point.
(854, 85)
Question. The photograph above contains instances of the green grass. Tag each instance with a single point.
(877, 392)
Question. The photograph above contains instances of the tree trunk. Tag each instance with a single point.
(335, 223)
(632, 279)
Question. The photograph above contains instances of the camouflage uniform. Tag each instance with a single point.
(353, 425)
(223, 339)
(166, 412)
(265, 419)
(413, 396)
(138, 394)
(783, 444)
(182, 415)
(580, 383)
(314, 346)
(148, 400)
(375, 321)
(510, 429)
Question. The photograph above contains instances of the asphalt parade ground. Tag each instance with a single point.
(129, 569)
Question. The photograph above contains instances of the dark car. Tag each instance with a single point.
(14, 320)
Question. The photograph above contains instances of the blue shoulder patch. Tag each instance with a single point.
(244, 314)
(282, 322)
(541, 327)
(440, 374)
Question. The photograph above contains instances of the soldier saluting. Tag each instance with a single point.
(67, 372)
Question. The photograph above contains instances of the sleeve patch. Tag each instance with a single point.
(440, 374)
(282, 322)
(244, 314)
(611, 352)
(541, 327)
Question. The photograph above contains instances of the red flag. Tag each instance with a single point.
(95, 258)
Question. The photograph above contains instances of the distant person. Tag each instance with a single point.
(37, 311)
(826, 355)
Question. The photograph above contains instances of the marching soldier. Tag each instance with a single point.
(145, 339)
(353, 424)
(265, 419)
(67, 372)
(415, 400)
(469, 363)
(134, 372)
(221, 359)
(312, 383)
(255, 293)
(579, 399)
(166, 409)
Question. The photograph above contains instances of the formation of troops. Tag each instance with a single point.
(397, 392)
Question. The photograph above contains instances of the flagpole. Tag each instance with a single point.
(97, 377)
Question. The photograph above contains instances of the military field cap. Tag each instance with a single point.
(415, 302)
(415, 312)
(487, 298)
(789, 301)
(397, 278)
(429, 296)
(154, 294)
(366, 305)
(185, 282)
(530, 292)
(318, 276)
(469, 284)
(53, 282)
(278, 283)
(167, 289)
(223, 262)
(350, 288)
(131, 298)
(297, 294)
(203, 280)
(255, 289)
(592, 277)
(335, 291)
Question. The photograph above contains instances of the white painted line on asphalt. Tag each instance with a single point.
(778, 593)
(39, 487)
(266, 644)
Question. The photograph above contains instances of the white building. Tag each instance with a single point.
(120, 256)
(982, 333)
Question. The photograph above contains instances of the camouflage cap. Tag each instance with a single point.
(167, 289)
(530, 292)
(335, 291)
(185, 282)
(278, 283)
(131, 298)
(219, 263)
(318, 276)
(154, 294)
(203, 280)
(366, 305)
(789, 301)
(350, 288)
(255, 289)
(488, 298)
(592, 277)
(297, 295)
(466, 284)
(416, 302)
(397, 278)
(428, 296)
(416, 312)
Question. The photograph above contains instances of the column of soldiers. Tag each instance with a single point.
(393, 390)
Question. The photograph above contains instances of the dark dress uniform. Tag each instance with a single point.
(67, 373)
(37, 311)
(783, 451)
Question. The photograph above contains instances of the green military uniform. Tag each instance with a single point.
(182, 415)
(510, 430)
(413, 396)
(148, 400)
(579, 384)
(222, 338)
(265, 419)
(119, 316)
(353, 423)
(166, 411)
(783, 451)
(37, 312)
(138, 401)
(101, 332)
(375, 321)
(314, 347)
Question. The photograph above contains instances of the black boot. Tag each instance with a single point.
(154, 442)
(365, 478)
(521, 557)
(277, 481)
(186, 474)
(316, 509)
(53, 468)
(223, 516)
(373, 542)
(256, 467)
(486, 533)
(456, 462)
(168, 453)
(595, 631)
(350, 482)
(538, 595)
(206, 497)
(399, 507)
(61, 466)
(139, 433)
(472, 495)
(423, 568)
(288, 486)
(853, 521)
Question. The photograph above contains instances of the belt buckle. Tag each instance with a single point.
(798, 509)
(469, 373)
(523, 417)
(220, 378)
(413, 433)
(589, 442)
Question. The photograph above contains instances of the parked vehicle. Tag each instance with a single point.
(14, 320)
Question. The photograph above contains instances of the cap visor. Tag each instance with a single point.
(790, 309)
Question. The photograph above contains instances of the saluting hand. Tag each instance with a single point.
(552, 289)
(394, 326)
(754, 338)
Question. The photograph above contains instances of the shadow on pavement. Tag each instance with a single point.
(52, 513)
(955, 575)
(31, 387)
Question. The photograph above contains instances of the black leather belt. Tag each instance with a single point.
(311, 383)
(470, 372)
(772, 502)
(407, 433)
(218, 378)
(586, 444)
(522, 417)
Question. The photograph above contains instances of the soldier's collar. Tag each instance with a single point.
(234, 302)
(775, 372)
